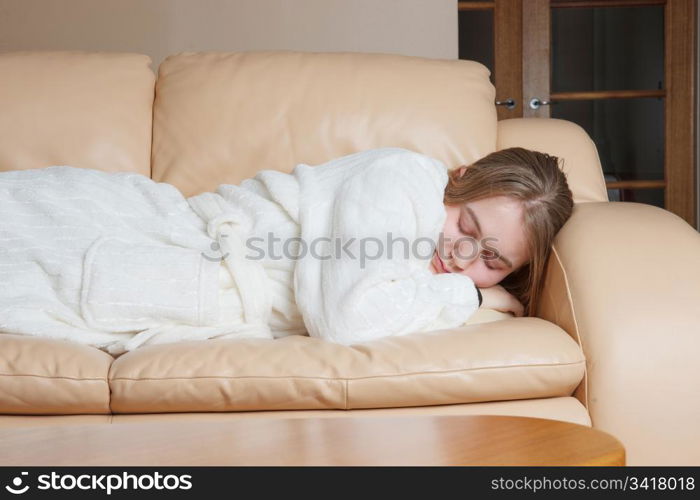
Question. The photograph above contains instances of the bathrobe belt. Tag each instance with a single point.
(229, 226)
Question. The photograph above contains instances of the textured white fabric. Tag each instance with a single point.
(117, 261)
(267, 288)
(369, 195)
(113, 260)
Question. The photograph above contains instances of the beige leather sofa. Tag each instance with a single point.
(615, 342)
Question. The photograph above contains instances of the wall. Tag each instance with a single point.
(426, 28)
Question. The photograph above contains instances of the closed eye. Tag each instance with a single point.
(487, 263)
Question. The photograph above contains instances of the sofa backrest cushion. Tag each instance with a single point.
(221, 117)
(84, 109)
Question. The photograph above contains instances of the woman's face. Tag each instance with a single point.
(484, 240)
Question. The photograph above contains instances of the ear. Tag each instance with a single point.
(461, 170)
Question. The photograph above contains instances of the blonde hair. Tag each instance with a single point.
(535, 180)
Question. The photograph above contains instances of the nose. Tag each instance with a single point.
(464, 253)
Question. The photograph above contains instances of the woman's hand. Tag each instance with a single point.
(496, 297)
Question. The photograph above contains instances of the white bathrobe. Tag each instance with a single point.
(344, 209)
(117, 261)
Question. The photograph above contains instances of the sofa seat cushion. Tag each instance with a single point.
(515, 358)
(40, 376)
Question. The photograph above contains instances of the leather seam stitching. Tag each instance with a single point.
(575, 319)
(52, 376)
(297, 376)
(340, 379)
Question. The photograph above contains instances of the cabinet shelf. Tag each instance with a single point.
(605, 3)
(606, 94)
(475, 5)
(636, 184)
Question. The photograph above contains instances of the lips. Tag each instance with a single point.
(441, 264)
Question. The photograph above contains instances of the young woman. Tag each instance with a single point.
(116, 260)
(421, 247)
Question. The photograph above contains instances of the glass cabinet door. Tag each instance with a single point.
(624, 70)
(607, 75)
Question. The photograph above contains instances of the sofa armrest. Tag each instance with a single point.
(624, 281)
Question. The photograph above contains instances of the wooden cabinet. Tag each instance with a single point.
(624, 70)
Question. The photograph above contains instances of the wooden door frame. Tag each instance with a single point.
(680, 54)
(507, 58)
(537, 40)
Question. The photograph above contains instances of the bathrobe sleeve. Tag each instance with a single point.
(390, 216)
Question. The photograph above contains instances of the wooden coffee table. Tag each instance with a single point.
(404, 440)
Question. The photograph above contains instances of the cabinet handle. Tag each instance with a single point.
(508, 103)
(536, 103)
